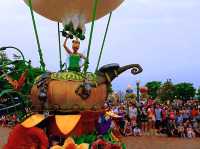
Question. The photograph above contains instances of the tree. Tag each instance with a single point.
(153, 88)
(198, 93)
(130, 96)
(3, 57)
(167, 91)
(184, 91)
(13, 69)
(3, 69)
(110, 89)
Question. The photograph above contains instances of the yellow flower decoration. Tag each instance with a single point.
(70, 144)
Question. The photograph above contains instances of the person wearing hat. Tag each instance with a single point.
(74, 56)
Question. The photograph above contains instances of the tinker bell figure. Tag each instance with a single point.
(84, 90)
(75, 57)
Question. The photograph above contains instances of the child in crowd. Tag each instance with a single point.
(128, 127)
(137, 131)
(190, 132)
(181, 131)
(171, 128)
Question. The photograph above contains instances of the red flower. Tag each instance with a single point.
(27, 138)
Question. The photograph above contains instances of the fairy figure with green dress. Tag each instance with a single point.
(75, 57)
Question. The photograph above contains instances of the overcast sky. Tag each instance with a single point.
(161, 35)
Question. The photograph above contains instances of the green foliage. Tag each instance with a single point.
(198, 93)
(153, 88)
(3, 58)
(4, 84)
(130, 96)
(21, 115)
(167, 91)
(76, 76)
(90, 138)
(87, 138)
(14, 69)
(108, 137)
(110, 89)
(184, 91)
(32, 74)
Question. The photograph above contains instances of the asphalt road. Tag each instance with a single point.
(146, 142)
(160, 143)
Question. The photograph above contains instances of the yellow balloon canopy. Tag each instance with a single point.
(79, 12)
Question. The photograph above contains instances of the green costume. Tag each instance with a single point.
(74, 63)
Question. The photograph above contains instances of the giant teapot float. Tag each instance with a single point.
(70, 92)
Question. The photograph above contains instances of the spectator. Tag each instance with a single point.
(144, 120)
(133, 114)
(137, 131)
(128, 127)
(171, 128)
(190, 132)
(158, 116)
(196, 126)
(179, 118)
(151, 119)
(181, 131)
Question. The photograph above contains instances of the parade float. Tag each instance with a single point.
(66, 105)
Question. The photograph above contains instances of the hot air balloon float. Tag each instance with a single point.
(69, 102)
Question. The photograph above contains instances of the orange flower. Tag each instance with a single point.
(70, 144)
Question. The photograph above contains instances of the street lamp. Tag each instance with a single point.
(138, 91)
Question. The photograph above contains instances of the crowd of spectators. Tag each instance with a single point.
(174, 119)
(147, 117)
(10, 120)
